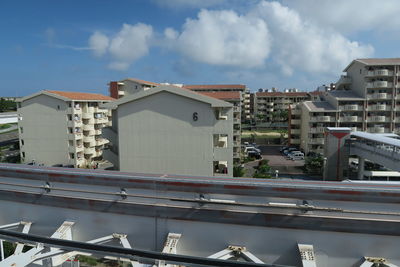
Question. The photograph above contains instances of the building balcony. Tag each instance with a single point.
(236, 155)
(75, 136)
(380, 72)
(89, 150)
(377, 96)
(236, 120)
(101, 120)
(246, 101)
(350, 107)
(317, 130)
(74, 111)
(100, 110)
(87, 115)
(236, 109)
(377, 119)
(317, 141)
(349, 119)
(295, 122)
(378, 129)
(101, 141)
(295, 131)
(378, 107)
(379, 84)
(322, 119)
(88, 127)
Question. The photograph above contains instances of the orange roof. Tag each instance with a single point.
(81, 96)
(215, 86)
(281, 93)
(142, 81)
(222, 95)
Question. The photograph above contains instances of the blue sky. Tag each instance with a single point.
(82, 45)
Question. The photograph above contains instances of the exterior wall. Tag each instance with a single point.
(128, 87)
(43, 130)
(357, 79)
(114, 90)
(157, 134)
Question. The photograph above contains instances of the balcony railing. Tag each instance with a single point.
(89, 150)
(351, 107)
(322, 119)
(377, 119)
(349, 118)
(295, 131)
(295, 122)
(380, 72)
(379, 84)
(377, 96)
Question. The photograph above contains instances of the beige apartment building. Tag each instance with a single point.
(62, 128)
(268, 103)
(170, 130)
(366, 98)
(235, 98)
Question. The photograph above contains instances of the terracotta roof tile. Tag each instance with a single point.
(142, 81)
(81, 96)
(215, 86)
(222, 95)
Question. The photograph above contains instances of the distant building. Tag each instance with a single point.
(57, 127)
(268, 103)
(366, 98)
(244, 91)
(170, 130)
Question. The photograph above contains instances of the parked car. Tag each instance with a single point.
(296, 155)
(254, 154)
(252, 148)
(290, 149)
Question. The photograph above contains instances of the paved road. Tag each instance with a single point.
(278, 162)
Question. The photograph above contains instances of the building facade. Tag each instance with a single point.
(62, 128)
(366, 99)
(244, 91)
(268, 104)
(235, 98)
(170, 130)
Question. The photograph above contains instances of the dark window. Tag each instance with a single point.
(58, 107)
(22, 142)
(23, 154)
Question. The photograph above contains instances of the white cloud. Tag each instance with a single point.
(129, 44)
(179, 4)
(99, 43)
(349, 16)
(224, 38)
(302, 45)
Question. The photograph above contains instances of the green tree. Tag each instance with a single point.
(238, 171)
(314, 165)
(263, 169)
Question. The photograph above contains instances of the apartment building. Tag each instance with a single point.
(235, 98)
(269, 103)
(169, 130)
(244, 91)
(366, 98)
(57, 127)
(129, 86)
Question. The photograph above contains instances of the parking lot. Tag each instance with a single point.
(277, 162)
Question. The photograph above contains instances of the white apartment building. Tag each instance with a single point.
(62, 128)
(170, 130)
(366, 98)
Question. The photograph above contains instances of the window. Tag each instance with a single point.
(58, 107)
(21, 129)
(22, 142)
(220, 140)
(72, 155)
(23, 154)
